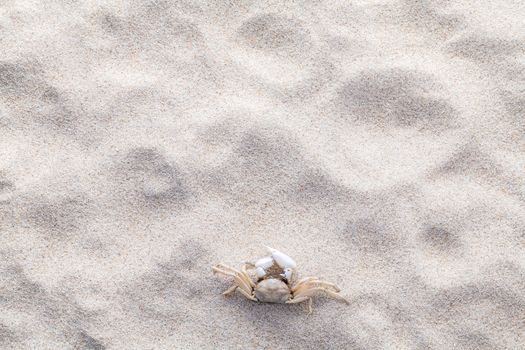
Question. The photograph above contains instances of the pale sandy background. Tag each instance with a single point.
(379, 143)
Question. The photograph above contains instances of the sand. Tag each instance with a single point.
(381, 144)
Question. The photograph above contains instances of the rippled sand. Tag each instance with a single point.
(381, 144)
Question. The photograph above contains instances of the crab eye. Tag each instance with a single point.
(288, 274)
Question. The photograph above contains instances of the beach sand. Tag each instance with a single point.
(381, 144)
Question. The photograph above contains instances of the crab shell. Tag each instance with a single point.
(272, 290)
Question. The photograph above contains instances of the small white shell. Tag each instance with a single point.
(260, 272)
(265, 263)
(283, 260)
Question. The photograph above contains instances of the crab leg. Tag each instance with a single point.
(297, 300)
(230, 290)
(302, 281)
(242, 273)
(243, 285)
(337, 296)
(246, 276)
(224, 272)
(306, 279)
(237, 276)
(247, 295)
(312, 291)
(300, 300)
(227, 268)
(316, 283)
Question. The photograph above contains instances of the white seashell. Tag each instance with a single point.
(260, 272)
(265, 263)
(283, 260)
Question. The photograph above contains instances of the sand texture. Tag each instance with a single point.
(381, 144)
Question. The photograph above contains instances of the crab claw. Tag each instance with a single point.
(283, 260)
(264, 263)
(260, 272)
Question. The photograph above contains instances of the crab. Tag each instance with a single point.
(272, 279)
